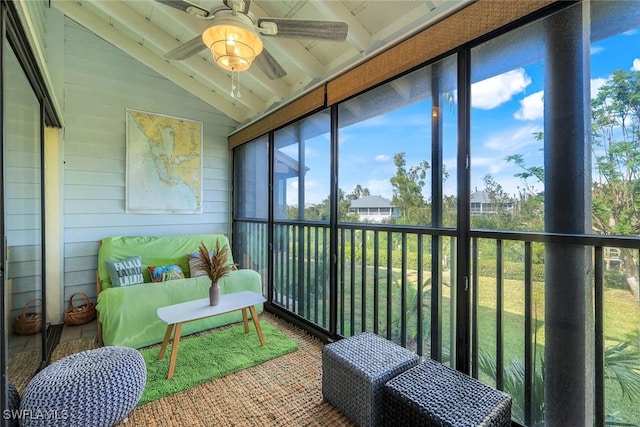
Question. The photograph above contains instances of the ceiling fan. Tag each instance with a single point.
(234, 35)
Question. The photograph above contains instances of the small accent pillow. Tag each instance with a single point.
(165, 273)
(193, 268)
(125, 272)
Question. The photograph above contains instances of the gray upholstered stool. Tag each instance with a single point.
(14, 405)
(355, 369)
(93, 388)
(432, 394)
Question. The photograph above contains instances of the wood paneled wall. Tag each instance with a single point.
(100, 83)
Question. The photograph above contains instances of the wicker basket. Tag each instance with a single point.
(28, 323)
(81, 314)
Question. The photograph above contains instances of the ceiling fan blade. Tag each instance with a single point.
(230, 3)
(324, 30)
(186, 50)
(269, 66)
(188, 7)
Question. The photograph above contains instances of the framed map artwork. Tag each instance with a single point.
(164, 164)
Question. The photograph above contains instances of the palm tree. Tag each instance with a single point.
(621, 364)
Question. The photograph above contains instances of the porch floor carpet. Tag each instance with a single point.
(285, 391)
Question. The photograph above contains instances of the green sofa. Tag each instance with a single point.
(127, 316)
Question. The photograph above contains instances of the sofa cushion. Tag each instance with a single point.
(125, 272)
(164, 273)
(193, 264)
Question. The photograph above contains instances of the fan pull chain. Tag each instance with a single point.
(235, 87)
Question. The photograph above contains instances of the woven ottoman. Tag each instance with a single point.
(14, 405)
(432, 394)
(354, 370)
(92, 388)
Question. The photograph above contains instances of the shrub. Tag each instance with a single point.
(511, 270)
(615, 279)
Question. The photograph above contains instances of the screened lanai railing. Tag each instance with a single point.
(400, 284)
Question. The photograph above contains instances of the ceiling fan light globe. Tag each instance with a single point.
(232, 56)
(233, 43)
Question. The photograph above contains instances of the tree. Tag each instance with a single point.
(616, 164)
(530, 201)
(407, 191)
(292, 212)
(344, 203)
(321, 211)
(621, 367)
(359, 192)
(502, 212)
(449, 209)
(616, 125)
(536, 172)
(616, 153)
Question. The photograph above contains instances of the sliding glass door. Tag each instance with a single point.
(24, 348)
(23, 234)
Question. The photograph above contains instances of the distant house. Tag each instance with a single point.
(481, 203)
(373, 208)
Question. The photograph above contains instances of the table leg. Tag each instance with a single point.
(165, 341)
(245, 320)
(256, 322)
(174, 350)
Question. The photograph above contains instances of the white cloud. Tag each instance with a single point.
(314, 192)
(531, 107)
(380, 187)
(310, 183)
(450, 165)
(290, 150)
(382, 158)
(497, 90)
(372, 122)
(477, 161)
(636, 65)
(487, 165)
(310, 152)
(344, 137)
(512, 140)
(596, 84)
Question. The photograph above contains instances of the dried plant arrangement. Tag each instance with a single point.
(216, 263)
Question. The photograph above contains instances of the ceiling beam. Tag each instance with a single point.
(189, 24)
(211, 74)
(420, 18)
(335, 10)
(298, 55)
(106, 31)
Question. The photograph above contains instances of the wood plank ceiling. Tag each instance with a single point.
(147, 29)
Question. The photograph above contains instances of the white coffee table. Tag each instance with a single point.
(177, 314)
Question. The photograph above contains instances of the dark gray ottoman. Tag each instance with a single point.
(14, 405)
(92, 388)
(432, 394)
(355, 369)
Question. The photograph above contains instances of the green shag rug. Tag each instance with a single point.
(210, 356)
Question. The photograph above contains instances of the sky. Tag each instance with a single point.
(507, 109)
